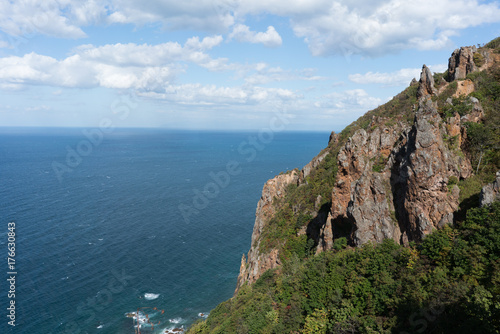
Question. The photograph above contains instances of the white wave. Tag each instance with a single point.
(151, 296)
(176, 320)
(203, 315)
(174, 330)
(140, 318)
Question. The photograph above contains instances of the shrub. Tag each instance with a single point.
(478, 59)
(452, 180)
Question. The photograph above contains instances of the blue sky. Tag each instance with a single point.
(223, 64)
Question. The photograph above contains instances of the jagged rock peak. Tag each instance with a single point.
(334, 138)
(426, 83)
(461, 63)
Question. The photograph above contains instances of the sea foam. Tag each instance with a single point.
(151, 296)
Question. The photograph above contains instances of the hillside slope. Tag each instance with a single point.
(398, 174)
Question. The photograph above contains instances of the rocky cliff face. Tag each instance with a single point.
(394, 178)
(420, 174)
(256, 264)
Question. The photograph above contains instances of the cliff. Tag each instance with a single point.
(393, 174)
(394, 227)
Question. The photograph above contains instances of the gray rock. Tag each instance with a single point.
(491, 192)
(426, 83)
(461, 63)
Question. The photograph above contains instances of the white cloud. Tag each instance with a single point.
(264, 74)
(397, 78)
(202, 14)
(376, 27)
(242, 33)
(25, 17)
(341, 27)
(351, 101)
(66, 18)
(198, 94)
(144, 67)
(151, 70)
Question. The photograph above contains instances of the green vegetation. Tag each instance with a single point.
(297, 208)
(379, 164)
(478, 59)
(461, 105)
(494, 44)
(440, 78)
(483, 138)
(449, 283)
(447, 93)
(452, 181)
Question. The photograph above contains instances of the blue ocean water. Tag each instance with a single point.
(131, 220)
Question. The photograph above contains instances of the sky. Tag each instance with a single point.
(315, 65)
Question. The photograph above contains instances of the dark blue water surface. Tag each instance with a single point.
(131, 219)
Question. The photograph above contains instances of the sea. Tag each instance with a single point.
(105, 231)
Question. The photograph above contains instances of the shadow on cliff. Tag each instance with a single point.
(341, 226)
(399, 184)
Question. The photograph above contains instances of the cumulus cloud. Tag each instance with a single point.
(376, 27)
(151, 70)
(201, 14)
(146, 67)
(242, 33)
(66, 18)
(397, 78)
(339, 27)
(25, 17)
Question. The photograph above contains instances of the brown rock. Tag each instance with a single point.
(256, 263)
(334, 138)
(424, 167)
(464, 88)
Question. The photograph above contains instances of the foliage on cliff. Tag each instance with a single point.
(448, 283)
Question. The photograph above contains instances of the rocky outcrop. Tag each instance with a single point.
(392, 183)
(257, 263)
(396, 178)
(334, 138)
(361, 199)
(421, 171)
(461, 63)
(426, 83)
(491, 192)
